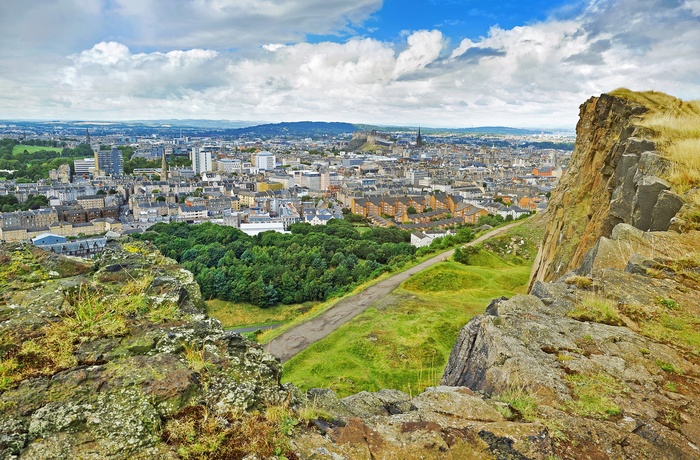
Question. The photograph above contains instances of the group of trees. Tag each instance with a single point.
(311, 263)
(35, 165)
(9, 203)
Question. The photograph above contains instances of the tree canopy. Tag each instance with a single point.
(310, 263)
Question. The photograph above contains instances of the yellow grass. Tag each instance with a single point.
(675, 125)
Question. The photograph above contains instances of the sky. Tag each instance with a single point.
(438, 63)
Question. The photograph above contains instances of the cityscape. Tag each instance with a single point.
(428, 183)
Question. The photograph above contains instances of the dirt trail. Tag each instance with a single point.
(298, 338)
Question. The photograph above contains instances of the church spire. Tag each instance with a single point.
(163, 167)
(419, 139)
(87, 136)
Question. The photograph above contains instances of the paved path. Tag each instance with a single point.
(298, 338)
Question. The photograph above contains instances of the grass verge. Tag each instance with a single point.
(594, 395)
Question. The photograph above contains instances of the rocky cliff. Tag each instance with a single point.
(607, 342)
(615, 175)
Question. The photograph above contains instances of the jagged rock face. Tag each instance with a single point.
(530, 343)
(615, 176)
(96, 359)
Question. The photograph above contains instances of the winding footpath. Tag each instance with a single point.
(299, 337)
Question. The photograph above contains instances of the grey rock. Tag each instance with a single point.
(648, 190)
(365, 404)
(667, 206)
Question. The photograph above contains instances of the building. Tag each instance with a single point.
(201, 160)
(60, 245)
(415, 176)
(48, 238)
(91, 201)
(28, 219)
(84, 167)
(192, 212)
(265, 161)
(255, 228)
(230, 165)
(109, 162)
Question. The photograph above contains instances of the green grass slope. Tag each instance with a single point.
(404, 340)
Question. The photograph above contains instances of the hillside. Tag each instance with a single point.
(115, 358)
(313, 129)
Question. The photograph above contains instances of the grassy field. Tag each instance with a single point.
(34, 148)
(234, 315)
(404, 341)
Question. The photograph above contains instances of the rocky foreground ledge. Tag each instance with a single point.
(101, 360)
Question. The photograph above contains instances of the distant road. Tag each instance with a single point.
(299, 337)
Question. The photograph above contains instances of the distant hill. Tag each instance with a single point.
(193, 123)
(497, 130)
(296, 129)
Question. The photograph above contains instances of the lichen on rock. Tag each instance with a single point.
(95, 363)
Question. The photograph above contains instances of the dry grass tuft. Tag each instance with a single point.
(594, 308)
(676, 127)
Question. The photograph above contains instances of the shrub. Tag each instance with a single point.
(521, 404)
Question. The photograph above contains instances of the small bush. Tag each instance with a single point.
(670, 386)
(668, 367)
(196, 433)
(668, 303)
(581, 282)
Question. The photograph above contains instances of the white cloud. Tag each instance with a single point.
(105, 53)
(238, 23)
(533, 75)
(423, 48)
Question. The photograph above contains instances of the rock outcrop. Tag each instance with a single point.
(97, 359)
(615, 176)
(607, 341)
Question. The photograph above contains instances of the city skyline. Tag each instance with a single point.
(434, 63)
